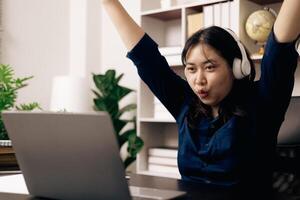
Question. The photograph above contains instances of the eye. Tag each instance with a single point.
(210, 68)
(191, 69)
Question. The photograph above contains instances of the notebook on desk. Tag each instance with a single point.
(72, 156)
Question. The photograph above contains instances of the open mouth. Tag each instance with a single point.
(203, 93)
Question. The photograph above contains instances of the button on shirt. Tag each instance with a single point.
(241, 148)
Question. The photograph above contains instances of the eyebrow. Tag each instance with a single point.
(203, 63)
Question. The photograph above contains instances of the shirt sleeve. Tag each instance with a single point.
(154, 70)
(277, 74)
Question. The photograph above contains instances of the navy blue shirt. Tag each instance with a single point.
(241, 149)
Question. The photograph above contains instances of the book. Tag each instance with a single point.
(160, 108)
(208, 16)
(165, 4)
(194, 23)
(163, 169)
(225, 16)
(164, 116)
(234, 16)
(174, 60)
(165, 51)
(217, 14)
(160, 111)
(162, 161)
(163, 152)
(5, 143)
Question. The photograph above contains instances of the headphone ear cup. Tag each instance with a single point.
(237, 68)
(297, 46)
(241, 67)
(246, 68)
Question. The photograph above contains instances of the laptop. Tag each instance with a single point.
(72, 156)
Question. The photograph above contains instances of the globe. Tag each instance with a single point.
(259, 25)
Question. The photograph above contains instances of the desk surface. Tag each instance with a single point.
(194, 190)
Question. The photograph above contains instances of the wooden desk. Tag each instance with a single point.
(194, 190)
(8, 159)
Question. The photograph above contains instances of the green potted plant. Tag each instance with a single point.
(108, 95)
(9, 86)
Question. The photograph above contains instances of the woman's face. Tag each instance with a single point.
(208, 74)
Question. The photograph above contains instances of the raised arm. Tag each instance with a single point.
(128, 30)
(287, 26)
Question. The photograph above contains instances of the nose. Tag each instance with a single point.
(200, 78)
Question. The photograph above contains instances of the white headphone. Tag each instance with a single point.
(297, 46)
(241, 67)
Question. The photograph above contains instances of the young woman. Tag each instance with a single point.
(227, 123)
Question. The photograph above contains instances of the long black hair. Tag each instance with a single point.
(226, 46)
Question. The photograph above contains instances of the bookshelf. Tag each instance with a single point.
(264, 2)
(8, 161)
(168, 27)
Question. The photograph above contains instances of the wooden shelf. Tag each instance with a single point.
(156, 120)
(264, 2)
(174, 12)
(8, 159)
(6, 150)
(163, 14)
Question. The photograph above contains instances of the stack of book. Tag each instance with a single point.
(163, 160)
(5, 143)
(172, 55)
(221, 14)
(160, 111)
(218, 14)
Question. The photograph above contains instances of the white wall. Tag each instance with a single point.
(113, 50)
(48, 38)
(37, 40)
(93, 39)
(113, 54)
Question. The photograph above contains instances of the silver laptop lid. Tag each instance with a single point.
(67, 156)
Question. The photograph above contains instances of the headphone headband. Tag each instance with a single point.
(297, 46)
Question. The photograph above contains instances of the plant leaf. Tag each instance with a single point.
(128, 161)
(126, 109)
(119, 78)
(28, 107)
(8, 94)
(135, 144)
(118, 125)
(106, 104)
(125, 136)
(98, 95)
(121, 92)
(108, 95)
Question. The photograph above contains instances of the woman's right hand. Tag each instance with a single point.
(129, 31)
(106, 1)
